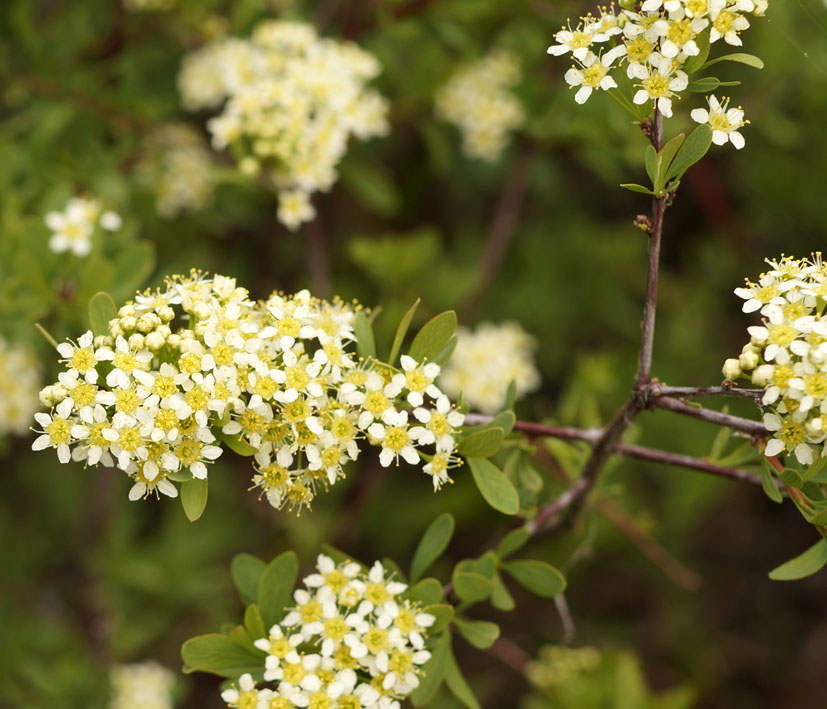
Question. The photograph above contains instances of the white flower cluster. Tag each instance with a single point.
(146, 685)
(655, 43)
(351, 642)
(19, 383)
(479, 101)
(148, 5)
(197, 361)
(293, 99)
(787, 354)
(486, 360)
(73, 228)
(182, 171)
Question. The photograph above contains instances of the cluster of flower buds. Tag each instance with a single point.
(787, 354)
(351, 641)
(293, 99)
(197, 362)
(655, 41)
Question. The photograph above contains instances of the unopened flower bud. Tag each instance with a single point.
(155, 340)
(762, 375)
(136, 341)
(749, 359)
(731, 369)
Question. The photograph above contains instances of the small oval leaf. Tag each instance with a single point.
(194, 498)
(275, 587)
(803, 565)
(495, 487)
(540, 578)
(432, 545)
(101, 310)
(480, 633)
(481, 444)
(434, 335)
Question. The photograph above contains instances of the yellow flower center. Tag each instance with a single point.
(84, 394)
(593, 75)
(275, 475)
(335, 628)
(188, 452)
(82, 360)
(680, 32)
(396, 438)
(311, 611)
(782, 334)
(126, 400)
(59, 431)
(190, 363)
(164, 386)
(656, 86)
(375, 640)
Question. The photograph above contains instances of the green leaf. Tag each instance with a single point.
(480, 633)
(740, 58)
(275, 587)
(704, 85)
(504, 420)
(514, 541)
(664, 160)
(238, 445)
(432, 672)
(694, 64)
(817, 472)
(694, 148)
(401, 331)
(481, 444)
(434, 335)
(636, 188)
(501, 597)
(457, 684)
(768, 482)
(220, 655)
(803, 565)
(470, 586)
(651, 160)
(511, 398)
(441, 358)
(495, 487)
(432, 545)
(538, 577)
(134, 264)
(254, 623)
(820, 519)
(101, 310)
(246, 571)
(194, 498)
(427, 592)
(791, 477)
(444, 614)
(340, 557)
(365, 344)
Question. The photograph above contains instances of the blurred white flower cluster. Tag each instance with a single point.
(486, 360)
(655, 43)
(787, 354)
(197, 362)
(148, 5)
(73, 228)
(351, 642)
(479, 100)
(20, 380)
(179, 169)
(146, 685)
(293, 99)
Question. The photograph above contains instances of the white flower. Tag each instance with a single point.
(593, 73)
(723, 121)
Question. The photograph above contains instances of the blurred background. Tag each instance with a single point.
(667, 569)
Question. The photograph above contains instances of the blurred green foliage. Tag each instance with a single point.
(90, 579)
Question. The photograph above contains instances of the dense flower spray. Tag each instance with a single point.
(291, 101)
(479, 100)
(74, 227)
(146, 685)
(485, 362)
(787, 353)
(20, 380)
(197, 363)
(656, 41)
(351, 641)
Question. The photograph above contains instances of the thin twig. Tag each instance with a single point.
(591, 435)
(673, 569)
(566, 618)
(644, 367)
(657, 390)
(503, 227)
(510, 654)
(754, 428)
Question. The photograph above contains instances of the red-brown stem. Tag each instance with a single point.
(754, 428)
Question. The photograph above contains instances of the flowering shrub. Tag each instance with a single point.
(185, 367)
